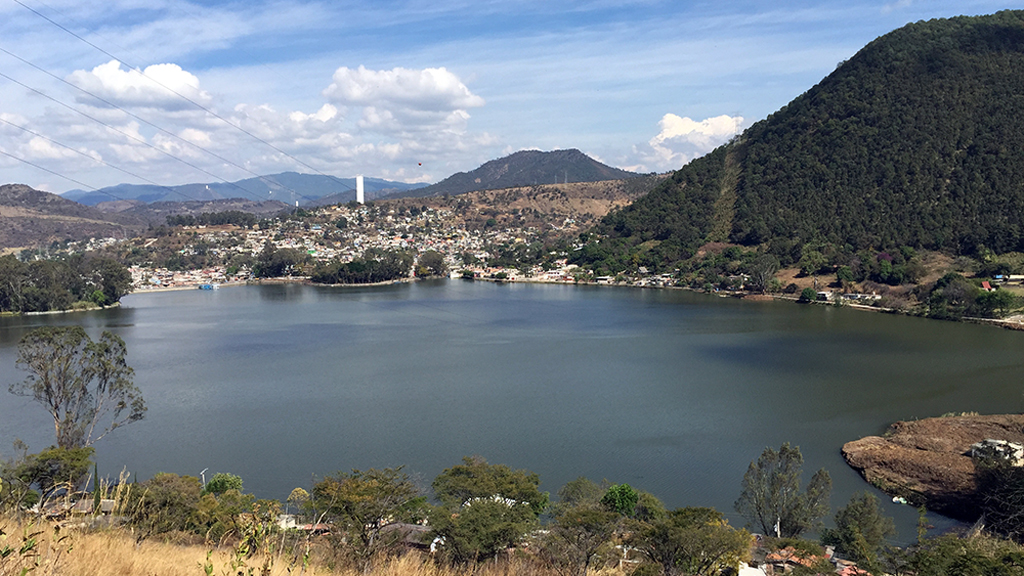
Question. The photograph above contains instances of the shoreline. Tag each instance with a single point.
(1017, 324)
(68, 311)
(928, 462)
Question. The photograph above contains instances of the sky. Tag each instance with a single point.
(168, 92)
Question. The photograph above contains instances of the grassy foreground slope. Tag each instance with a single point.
(915, 141)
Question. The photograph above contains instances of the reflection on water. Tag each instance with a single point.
(672, 392)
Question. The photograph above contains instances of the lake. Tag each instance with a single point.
(672, 392)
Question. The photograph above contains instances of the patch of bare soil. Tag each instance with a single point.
(928, 461)
(936, 265)
(788, 276)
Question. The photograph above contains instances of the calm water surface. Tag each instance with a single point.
(672, 392)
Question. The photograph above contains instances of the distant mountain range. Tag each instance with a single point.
(523, 168)
(287, 187)
(916, 141)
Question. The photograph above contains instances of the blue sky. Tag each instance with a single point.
(404, 90)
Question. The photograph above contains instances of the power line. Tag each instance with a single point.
(182, 96)
(99, 160)
(44, 169)
(119, 131)
(148, 123)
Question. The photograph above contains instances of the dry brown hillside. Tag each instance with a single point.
(30, 218)
(560, 208)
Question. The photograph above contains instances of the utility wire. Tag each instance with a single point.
(182, 96)
(34, 165)
(99, 160)
(119, 131)
(148, 123)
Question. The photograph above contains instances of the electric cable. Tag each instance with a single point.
(182, 96)
(101, 161)
(119, 131)
(151, 124)
(44, 169)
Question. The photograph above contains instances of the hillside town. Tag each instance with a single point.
(345, 232)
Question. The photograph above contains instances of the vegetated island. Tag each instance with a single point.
(929, 462)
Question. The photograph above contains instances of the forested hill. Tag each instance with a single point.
(523, 168)
(917, 140)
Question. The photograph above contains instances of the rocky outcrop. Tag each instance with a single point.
(928, 461)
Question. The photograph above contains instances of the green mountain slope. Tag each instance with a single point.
(917, 140)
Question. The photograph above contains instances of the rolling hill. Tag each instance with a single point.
(29, 217)
(523, 168)
(916, 141)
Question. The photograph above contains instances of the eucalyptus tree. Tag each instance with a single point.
(771, 499)
(85, 386)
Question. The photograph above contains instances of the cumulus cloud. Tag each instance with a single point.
(42, 149)
(704, 134)
(283, 127)
(158, 86)
(681, 139)
(430, 89)
(389, 123)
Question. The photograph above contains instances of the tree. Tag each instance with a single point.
(115, 280)
(273, 262)
(367, 504)
(576, 535)
(481, 527)
(621, 499)
(771, 499)
(808, 295)
(475, 478)
(486, 508)
(762, 271)
(845, 276)
(432, 264)
(221, 483)
(649, 508)
(811, 262)
(975, 555)
(582, 525)
(164, 503)
(579, 492)
(217, 515)
(86, 386)
(693, 541)
(997, 303)
(299, 498)
(1000, 493)
(861, 530)
(54, 470)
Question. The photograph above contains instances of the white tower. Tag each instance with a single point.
(360, 195)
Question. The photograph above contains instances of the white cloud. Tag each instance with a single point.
(325, 113)
(163, 86)
(680, 140)
(430, 89)
(284, 127)
(705, 134)
(41, 149)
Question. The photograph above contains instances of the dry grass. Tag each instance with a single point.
(114, 552)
